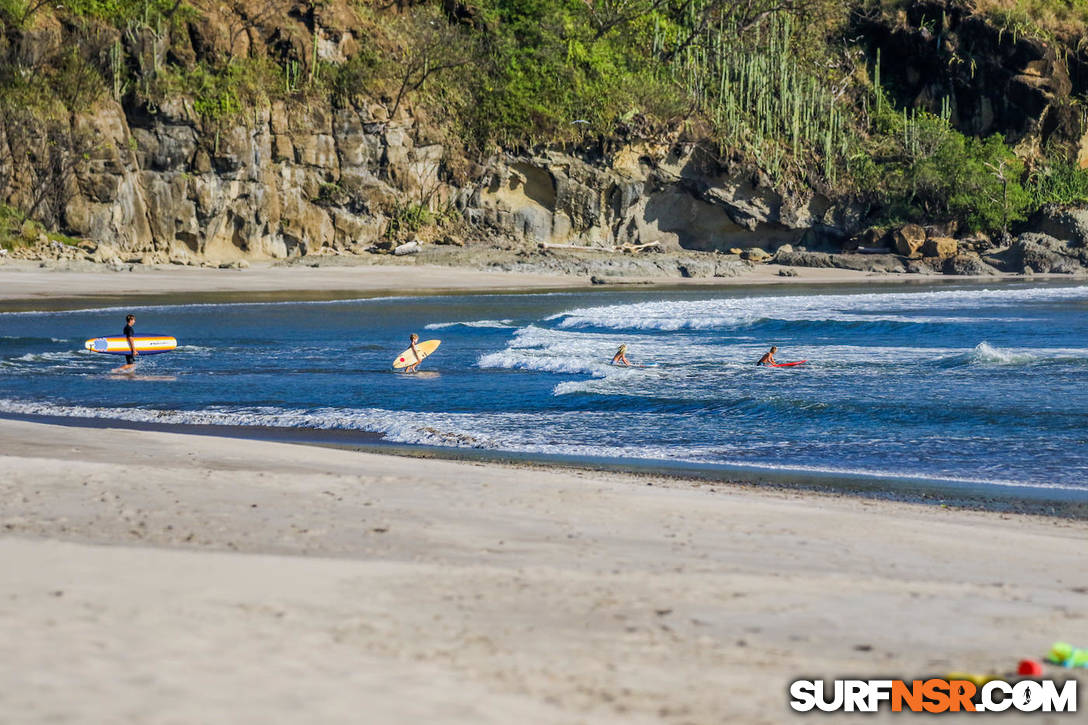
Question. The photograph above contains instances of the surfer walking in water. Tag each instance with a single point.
(129, 332)
(768, 359)
(417, 352)
(419, 358)
(620, 358)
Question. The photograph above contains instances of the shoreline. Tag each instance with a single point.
(964, 494)
(24, 286)
(165, 573)
(1061, 503)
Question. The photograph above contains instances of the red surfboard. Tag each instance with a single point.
(789, 364)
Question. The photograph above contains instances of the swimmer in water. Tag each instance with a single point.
(620, 358)
(768, 359)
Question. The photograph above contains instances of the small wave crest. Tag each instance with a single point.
(62, 359)
(486, 324)
(31, 339)
(986, 354)
(45, 356)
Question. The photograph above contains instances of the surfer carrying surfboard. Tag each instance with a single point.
(129, 332)
(419, 358)
(768, 359)
(620, 358)
(417, 351)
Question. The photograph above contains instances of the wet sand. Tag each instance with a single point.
(154, 577)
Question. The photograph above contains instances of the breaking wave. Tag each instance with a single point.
(986, 354)
(910, 308)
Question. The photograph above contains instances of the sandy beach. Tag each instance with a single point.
(157, 577)
(26, 282)
(160, 578)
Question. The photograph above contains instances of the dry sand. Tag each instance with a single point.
(164, 578)
(27, 281)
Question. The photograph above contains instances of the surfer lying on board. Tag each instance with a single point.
(768, 359)
(419, 358)
(129, 333)
(620, 358)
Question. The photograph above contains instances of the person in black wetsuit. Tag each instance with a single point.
(129, 332)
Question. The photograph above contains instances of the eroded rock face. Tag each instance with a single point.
(1070, 225)
(283, 184)
(1045, 254)
(639, 195)
(289, 181)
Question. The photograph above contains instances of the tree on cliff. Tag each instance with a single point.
(16, 14)
(433, 45)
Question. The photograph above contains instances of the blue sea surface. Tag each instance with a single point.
(968, 383)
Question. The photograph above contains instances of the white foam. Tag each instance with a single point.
(31, 338)
(475, 323)
(624, 381)
(528, 360)
(65, 355)
(901, 307)
(561, 351)
(986, 354)
(583, 353)
(521, 432)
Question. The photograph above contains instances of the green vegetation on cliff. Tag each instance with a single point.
(916, 167)
(787, 88)
(18, 231)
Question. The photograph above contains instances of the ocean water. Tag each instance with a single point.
(984, 385)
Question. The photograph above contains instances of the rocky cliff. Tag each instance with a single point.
(293, 181)
(165, 182)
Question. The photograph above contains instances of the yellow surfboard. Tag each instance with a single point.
(118, 345)
(407, 357)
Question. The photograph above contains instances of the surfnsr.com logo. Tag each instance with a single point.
(934, 696)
